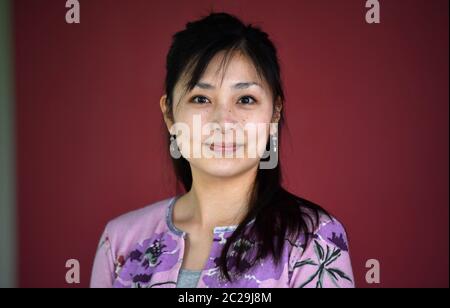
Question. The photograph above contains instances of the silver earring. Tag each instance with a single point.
(174, 150)
(274, 141)
(272, 153)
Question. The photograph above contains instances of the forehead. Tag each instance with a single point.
(225, 70)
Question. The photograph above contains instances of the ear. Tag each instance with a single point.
(278, 106)
(167, 118)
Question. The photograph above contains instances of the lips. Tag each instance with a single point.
(227, 147)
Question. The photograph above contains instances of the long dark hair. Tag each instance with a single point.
(279, 215)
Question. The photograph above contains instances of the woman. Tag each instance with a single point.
(235, 226)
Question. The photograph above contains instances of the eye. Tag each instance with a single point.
(201, 100)
(247, 100)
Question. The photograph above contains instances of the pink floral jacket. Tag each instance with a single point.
(144, 249)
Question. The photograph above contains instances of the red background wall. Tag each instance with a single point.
(367, 110)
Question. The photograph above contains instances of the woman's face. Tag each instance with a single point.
(223, 125)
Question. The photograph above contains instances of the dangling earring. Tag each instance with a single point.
(272, 146)
(174, 150)
(272, 153)
(274, 142)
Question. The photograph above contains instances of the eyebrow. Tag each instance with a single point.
(239, 85)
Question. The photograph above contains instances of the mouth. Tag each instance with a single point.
(223, 147)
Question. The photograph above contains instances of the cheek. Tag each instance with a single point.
(257, 128)
(190, 119)
(261, 114)
(257, 118)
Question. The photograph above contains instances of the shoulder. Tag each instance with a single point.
(128, 229)
(332, 231)
(322, 226)
(318, 222)
(328, 232)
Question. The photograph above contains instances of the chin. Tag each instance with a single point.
(224, 167)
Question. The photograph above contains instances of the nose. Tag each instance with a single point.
(224, 117)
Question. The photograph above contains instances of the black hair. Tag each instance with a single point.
(279, 215)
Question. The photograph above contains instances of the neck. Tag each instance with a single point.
(219, 201)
